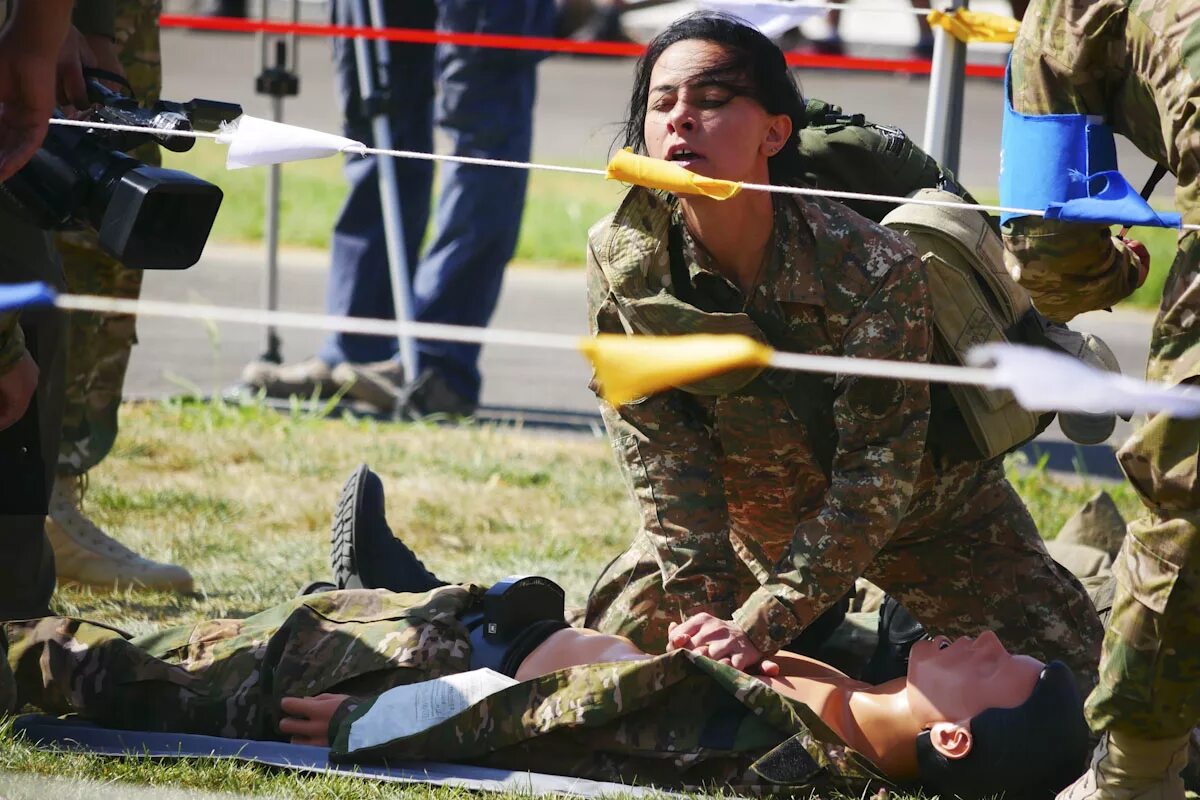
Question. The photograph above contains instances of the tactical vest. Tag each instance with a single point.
(973, 297)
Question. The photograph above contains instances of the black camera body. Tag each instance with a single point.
(147, 217)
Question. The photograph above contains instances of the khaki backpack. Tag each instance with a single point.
(975, 301)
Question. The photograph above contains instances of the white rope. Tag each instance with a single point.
(112, 126)
(783, 5)
(363, 150)
(319, 322)
(359, 149)
(840, 365)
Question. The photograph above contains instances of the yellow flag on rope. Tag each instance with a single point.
(975, 26)
(655, 173)
(629, 367)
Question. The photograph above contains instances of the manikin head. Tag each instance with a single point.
(994, 722)
(715, 95)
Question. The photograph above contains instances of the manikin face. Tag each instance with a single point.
(953, 681)
(705, 123)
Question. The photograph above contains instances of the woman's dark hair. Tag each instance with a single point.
(1029, 752)
(751, 62)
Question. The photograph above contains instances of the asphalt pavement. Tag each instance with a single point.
(581, 101)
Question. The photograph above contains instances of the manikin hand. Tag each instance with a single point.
(307, 720)
(17, 386)
(720, 640)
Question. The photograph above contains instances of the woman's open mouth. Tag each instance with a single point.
(682, 155)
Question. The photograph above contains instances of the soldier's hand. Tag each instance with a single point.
(1143, 257)
(721, 640)
(307, 720)
(17, 386)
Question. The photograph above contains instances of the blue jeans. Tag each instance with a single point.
(484, 104)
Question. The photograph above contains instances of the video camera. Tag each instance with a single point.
(147, 217)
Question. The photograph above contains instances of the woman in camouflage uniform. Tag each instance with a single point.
(764, 495)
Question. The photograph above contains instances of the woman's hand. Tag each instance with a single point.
(307, 718)
(720, 640)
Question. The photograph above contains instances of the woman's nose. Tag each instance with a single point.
(681, 118)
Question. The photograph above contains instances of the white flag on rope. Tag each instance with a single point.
(255, 142)
(1043, 380)
(774, 19)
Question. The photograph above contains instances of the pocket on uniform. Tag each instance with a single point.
(1148, 576)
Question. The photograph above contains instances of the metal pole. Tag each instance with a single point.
(372, 61)
(278, 80)
(943, 115)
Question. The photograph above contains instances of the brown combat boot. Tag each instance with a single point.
(85, 554)
(1126, 768)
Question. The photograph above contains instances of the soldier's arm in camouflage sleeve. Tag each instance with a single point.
(881, 426)
(1069, 268)
(669, 462)
(12, 342)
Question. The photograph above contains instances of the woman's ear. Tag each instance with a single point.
(778, 130)
(951, 739)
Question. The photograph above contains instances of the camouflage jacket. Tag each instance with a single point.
(797, 476)
(1134, 63)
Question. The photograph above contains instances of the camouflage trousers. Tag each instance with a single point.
(967, 548)
(226, 677)
(1150, 671)
(99, 345)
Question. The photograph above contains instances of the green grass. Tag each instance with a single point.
(242, 496)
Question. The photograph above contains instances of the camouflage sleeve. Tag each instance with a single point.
(12, 342)
(96, 17)
(669, 462)
(1069, 268)
(881, 427)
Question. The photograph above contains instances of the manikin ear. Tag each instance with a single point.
(779, 128)
(951, 739)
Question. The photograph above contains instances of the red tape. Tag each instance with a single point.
(537, 43)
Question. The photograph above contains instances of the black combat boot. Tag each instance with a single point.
(898, 632)
(363, 552)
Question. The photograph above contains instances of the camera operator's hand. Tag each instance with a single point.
(17, 385)
(80, 51)
(29, 45)
(73, 56)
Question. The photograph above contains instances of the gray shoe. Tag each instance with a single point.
(1091, 350)
(377, 383)
(431, 395)
(305, 379)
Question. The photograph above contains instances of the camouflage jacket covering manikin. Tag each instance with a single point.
(675, 720)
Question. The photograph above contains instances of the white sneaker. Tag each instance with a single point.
(85, 554)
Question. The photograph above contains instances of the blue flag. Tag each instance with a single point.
(1066, 165)
(18, 296)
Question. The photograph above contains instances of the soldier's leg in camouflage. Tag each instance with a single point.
(979, 564)
(1148, 698)
(97, 357)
